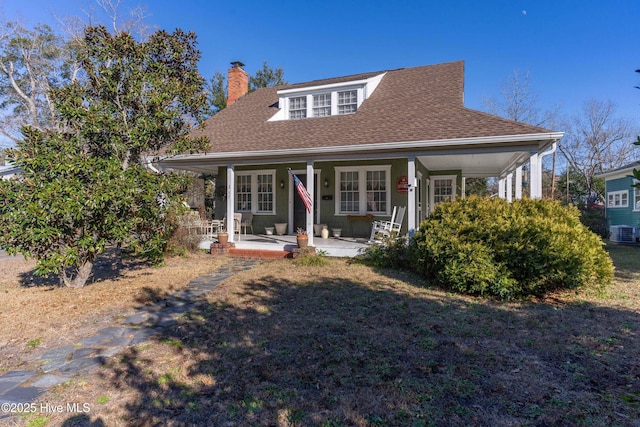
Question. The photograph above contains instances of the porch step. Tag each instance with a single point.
(259, 253)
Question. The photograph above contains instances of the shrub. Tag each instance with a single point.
(490, 247)
(390, 253)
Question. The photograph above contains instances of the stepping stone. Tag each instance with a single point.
(50, 380)
(81, 365)
(136, 319)
(12, 379)
(21, 395)
(60, 353)
(84, 352)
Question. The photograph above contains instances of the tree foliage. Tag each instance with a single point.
(32, 63)
(86, 185)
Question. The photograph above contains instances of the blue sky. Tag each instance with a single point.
(573, 50)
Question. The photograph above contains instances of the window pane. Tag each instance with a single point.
(442, 190)
(298, 107)
(349, 194)
(265, 193)
(347, 102)
(243, 192)
(376, 191)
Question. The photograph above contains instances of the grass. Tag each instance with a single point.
(348, 345)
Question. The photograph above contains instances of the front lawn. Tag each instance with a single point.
(345, 345)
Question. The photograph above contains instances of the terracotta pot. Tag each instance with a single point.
(223, 238)
(303, 240)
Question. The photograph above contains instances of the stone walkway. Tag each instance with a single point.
(60, 365)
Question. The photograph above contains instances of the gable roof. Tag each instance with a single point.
(626, 170)
(409, 105)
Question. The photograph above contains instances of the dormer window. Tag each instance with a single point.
(333, 99)
(347, 102)
(298, 107)
(322, 105)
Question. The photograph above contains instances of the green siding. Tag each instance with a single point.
(622, 216)
(328, 216)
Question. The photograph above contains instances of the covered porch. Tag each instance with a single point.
(355, 185)
(332, 246)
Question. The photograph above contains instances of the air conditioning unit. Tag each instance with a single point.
(623, 233)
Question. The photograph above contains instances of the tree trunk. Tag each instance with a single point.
(83, 274)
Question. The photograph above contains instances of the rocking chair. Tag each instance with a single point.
(381, 229)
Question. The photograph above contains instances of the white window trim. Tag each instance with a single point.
(362, 186)
(432, 186)
(618, 193)
(636, 196)
(254, 190)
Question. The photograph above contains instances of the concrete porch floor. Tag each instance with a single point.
(332, 246)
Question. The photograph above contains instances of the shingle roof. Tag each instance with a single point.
(410, 104)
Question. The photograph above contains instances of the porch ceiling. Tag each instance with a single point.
(475, 165)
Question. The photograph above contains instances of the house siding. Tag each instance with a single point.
(622, 215)
(350, 226)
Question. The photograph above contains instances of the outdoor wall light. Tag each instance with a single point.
(281, 183)
(326, 182)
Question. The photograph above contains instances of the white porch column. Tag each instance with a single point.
(519, 183)
(501, 188)
(411, 196)
(231, 201)
(535, 176)
(464, 188)
(510, 187)
(311, 190)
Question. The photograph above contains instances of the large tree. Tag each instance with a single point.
(597, 140)
(32, 63)
(217, 85)
(86, 185)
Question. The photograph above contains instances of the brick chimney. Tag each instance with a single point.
(238, 82)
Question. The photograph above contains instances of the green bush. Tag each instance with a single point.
(483, 246)
(391, 252)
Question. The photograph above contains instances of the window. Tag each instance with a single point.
(347, 102)
(443, 189)
(363, 189)
(349, 192)
(322, 105)
(255, 192)
(243, 193)
(265, 192)
(636, 197)
(618, 199)
(376, 191)
(298, 107)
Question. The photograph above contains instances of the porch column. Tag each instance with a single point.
(411, 196)
(501, 188)
(310, 188)
(519, 183)
(231, 201)
(510, 187)
(535, 176)
(464, 188)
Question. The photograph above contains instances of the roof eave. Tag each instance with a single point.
(300, 154)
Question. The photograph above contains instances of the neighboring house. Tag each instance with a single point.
(372, 141)
(622, 203)
(9, 171)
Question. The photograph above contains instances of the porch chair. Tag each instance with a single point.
(247, 222)
(385, 228)
(237, 223)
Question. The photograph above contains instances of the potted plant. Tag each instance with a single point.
(302, 237)
(223, 236)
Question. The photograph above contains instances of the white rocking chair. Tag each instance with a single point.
(381, 229)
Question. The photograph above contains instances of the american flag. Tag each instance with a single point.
(304, 195)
